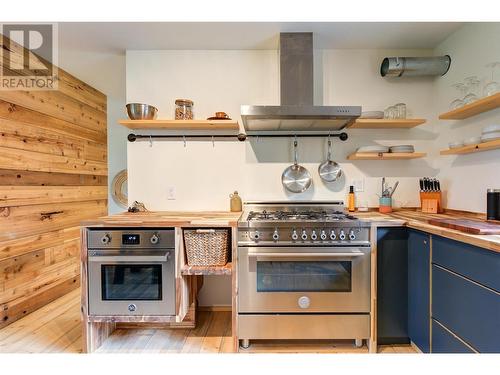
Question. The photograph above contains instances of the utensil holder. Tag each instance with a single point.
(385, 205)
(430, 202)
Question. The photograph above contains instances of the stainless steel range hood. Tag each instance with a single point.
(297, 112)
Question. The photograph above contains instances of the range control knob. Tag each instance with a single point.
(333, 236)
(342, 235)
(276, 235)
(106, 239)
(314, 236)
(295, 236)
(154, 239)
(132, 307)
(256, 235)
(303, 235)
(352, 236)
(304, 302)
(322, 235)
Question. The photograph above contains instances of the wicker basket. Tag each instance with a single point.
(206, 247)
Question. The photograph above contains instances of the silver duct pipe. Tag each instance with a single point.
(415, 66)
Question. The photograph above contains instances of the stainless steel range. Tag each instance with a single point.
(303, 272)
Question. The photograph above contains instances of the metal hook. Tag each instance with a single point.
(213, 141)
(150, 141)
(184, 139)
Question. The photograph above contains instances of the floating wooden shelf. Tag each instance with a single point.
(491, 145)
(181, 124)
(367, 123)
(479, 106)
(207, 270)
(385, 156)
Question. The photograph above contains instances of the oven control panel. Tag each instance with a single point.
(304, 235)
(161, 238)
(131, 239)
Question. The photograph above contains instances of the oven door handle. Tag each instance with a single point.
(129, 258)
(282, 256)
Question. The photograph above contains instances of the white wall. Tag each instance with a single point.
(203, 175)
(466, 177)
(105, 72)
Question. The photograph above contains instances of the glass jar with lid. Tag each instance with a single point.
(183, 109)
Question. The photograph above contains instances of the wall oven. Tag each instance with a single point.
(131, 272)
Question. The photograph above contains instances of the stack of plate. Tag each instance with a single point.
(369, 149)
(372, 114)
(402, 149)
(490, 133)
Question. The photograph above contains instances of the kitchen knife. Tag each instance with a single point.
(433, 184)
(438, 185)
(421, 181)
(426, 184)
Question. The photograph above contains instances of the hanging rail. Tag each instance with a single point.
(240, 137)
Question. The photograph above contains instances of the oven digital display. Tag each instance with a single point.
(131, 239)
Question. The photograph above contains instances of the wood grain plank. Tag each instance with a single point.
(24, 160)
(67, 83)
(41, 278)
(23, 245)
(22, 221)
(13, 112)
(24, 136)
(195, 336)
(212, 342)
(33, 178)
(15, 310)
(30, 195)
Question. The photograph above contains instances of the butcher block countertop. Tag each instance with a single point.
(418, 220)
(403, 217)
(167, 219)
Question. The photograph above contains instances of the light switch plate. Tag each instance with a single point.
(359, 185)
(171, 193)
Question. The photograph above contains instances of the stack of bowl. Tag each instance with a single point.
(490, 133)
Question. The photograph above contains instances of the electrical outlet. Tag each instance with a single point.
(170, 193)
(359, 185)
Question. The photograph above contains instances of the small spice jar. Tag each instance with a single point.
(183, 109)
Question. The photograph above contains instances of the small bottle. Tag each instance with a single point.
(235, 203)
(351, 201)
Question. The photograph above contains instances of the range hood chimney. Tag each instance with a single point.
(297, 112)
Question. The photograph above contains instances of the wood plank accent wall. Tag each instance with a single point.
(53, 175)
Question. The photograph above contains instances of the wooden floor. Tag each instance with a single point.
(56, 328)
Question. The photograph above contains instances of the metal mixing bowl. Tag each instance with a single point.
(139, 111)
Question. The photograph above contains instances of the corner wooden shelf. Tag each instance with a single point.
(368, 123)
(479, 106)
(207, 270)
(181, 124)
(491, 145)
(385, 156)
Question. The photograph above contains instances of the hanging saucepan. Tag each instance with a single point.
(296, 178)
(329, 170)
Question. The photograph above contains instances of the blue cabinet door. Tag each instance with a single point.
(392, 285)
(419, 289)
(445, 342)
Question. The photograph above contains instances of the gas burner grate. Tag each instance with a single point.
(294, 215)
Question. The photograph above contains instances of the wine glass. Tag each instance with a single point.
(492, 87)
(471, 84)
(457, 103)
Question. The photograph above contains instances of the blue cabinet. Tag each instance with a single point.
(443, 341)
(419, 289)
(465, 297)
(392, 285)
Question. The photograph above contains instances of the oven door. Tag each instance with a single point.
(304, 279)
(131, 283)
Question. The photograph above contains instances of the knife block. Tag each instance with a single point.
(430, 202)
